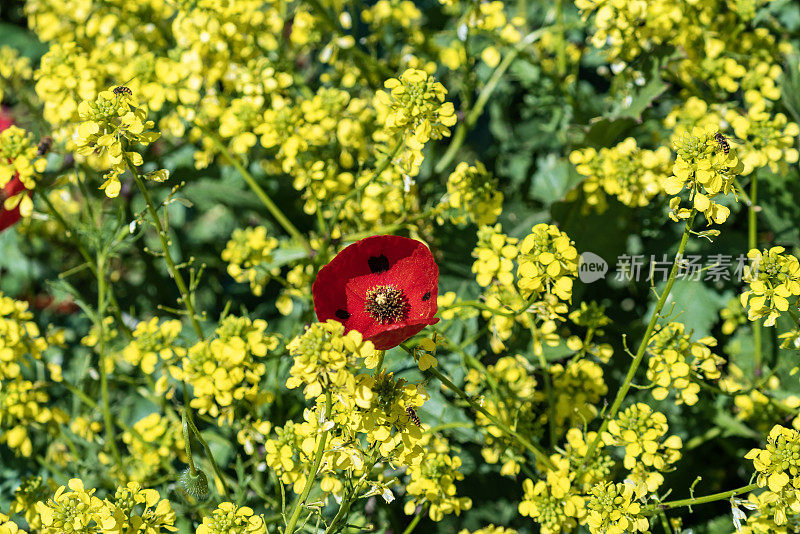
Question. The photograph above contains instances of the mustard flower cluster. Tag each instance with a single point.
(648, 452)
(551, 503)
(247, 253)
(612, 509)
(578, 386)
(769, 140)
(292, 448)
(323, 356)
(226, 371)
(433, 479)
(491, 529)
(678, 364)
(110, 123)
(20, 338)
(474, 193)
(153, 441)
(16, 72)
(19, 159)
(24, 407)
(707, 170)
(508, 390)
(730, 55)
(778, 469)
(154, 342)
(591, 317)
(547, 262)
(494, 257)
(415, 107)
(630, 174)
(773, 278)
(227, 518)
(74, 508)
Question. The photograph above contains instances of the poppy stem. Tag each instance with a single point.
(540, 454)
(273, 208)
(187, 441)
(217, 471)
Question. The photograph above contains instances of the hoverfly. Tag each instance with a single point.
(44, 145)
(412, 414)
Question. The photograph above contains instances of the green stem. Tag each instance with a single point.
(752, 242)
(188, 443)
(637, 359)
(548, 388)
(108, 420)
(73, 236)
(298, 505)
(207, 449)
(273, 208)
(186, 298)
(483, 99)
(537, 452)
(417, 518)
(724, 495)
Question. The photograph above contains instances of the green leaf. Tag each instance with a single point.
(633, 105)
(693, 304)
(553, 178)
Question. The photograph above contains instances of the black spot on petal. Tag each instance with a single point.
(426, 296)
(378, 264)
(342, 314)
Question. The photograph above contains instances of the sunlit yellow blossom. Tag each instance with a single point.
(706, 170)
(473, 191)
(548, 262)
(111, 123)
(227, 518)
(415, 106)
(773, 278)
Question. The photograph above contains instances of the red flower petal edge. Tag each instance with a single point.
(383, 286)
(9, 217)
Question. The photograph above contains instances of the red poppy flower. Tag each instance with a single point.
(383, 286)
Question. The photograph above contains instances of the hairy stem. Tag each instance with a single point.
(724, 495)
(108, 420)
(752, 242)
(186, 298)
(637, 360)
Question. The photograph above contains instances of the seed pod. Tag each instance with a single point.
(195, 485)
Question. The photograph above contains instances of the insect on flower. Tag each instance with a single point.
(412, 414)
(723, 142)
(45, 145)
(122, 90)
(383, 286)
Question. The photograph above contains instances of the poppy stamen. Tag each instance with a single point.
(386, 304)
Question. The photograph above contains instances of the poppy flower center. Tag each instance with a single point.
(386, 304)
